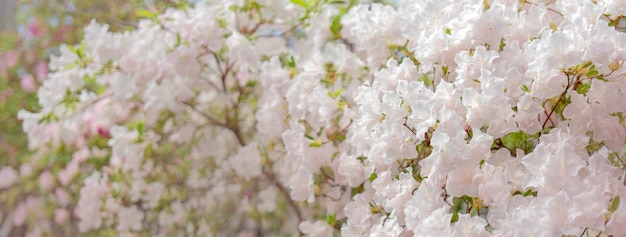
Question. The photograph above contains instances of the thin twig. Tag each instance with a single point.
(270, 176)
(556, 104)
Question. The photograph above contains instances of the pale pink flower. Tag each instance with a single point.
(41, 70)
(316, 229)
(46, 180)
(60, 215)
(8, 177)
(247, 161)
(130, 218)
(10, 58)
(28, 83)
(20, 214)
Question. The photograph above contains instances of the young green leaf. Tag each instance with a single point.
(302, 3)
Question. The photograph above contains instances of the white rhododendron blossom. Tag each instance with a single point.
(323, 118)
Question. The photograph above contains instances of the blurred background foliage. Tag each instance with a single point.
(30, 32)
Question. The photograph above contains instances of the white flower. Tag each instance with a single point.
(130, 218)
(316, 229)
(247, 161)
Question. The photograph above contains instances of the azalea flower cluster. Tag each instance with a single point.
(318, 117)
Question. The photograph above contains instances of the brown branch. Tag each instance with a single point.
(334, 136)
(549, 8)
(234, 128)
(272, 178)
(569, 84)
(286, 32)
(406, 118)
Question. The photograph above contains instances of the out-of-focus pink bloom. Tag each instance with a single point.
(60, 215)
(46, 180)
(5, 94)
(63, 198)
(66, 175)
(10, 58)
(8, 176)
(42, 71)
(35, 29)
(28, 83)
(104, 132)
(20, 214)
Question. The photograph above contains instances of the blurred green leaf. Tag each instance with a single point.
(302, 3)
(146, 14)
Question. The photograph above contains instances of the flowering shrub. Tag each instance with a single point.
(24, 51)
(432, 118)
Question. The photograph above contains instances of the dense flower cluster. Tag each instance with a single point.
(431, 118)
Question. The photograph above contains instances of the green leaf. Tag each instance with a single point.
(309, 136)
(357, 190)
(146, 14)
(138, 126)
(527, 193)
(70, 100)
(141, 128)
(183, 5)
(424, 79)
(583, 88)
(519, 140)
(316, 143)
(335, 94)
(512, 139)
(48, 118)
(455, 217)
(525, 88)
(302, 3)
(592, 73)
(98, 162)
(457, 206)
(292, 62)
(80, 51)
(331, 219)
(373, 176)
(336, 26)
(328, 171)
(72, 48)
(614, 204)
(221, 23)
